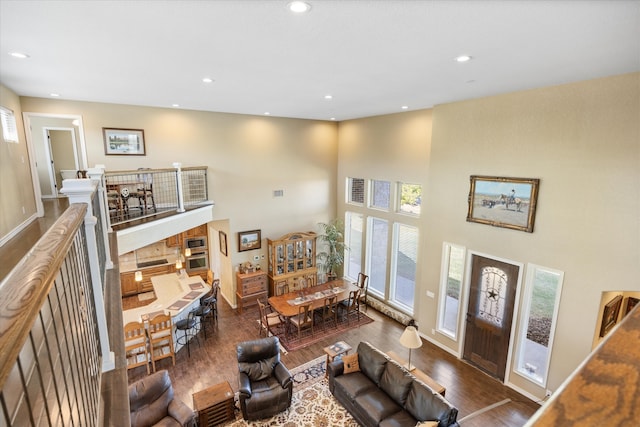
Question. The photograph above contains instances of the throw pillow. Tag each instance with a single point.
(427, 424)
(351, 363)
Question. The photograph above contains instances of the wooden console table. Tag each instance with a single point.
(438, 388)
(250, 287)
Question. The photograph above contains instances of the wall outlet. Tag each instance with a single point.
(548, 393)
(433, 332)
(431, 294)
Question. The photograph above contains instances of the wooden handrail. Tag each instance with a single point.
(24, 290)
(140, 171)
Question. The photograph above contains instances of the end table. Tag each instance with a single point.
(214, 405)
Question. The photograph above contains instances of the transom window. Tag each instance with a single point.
(380, 194)
(355, 191)
(410, 198)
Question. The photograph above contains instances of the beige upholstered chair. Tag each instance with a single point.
(269, 320)
(152, 403)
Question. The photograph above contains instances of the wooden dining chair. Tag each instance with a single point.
(363, 284)
(304, 319)
(352, 304)
(282, 288)
(161, 339)
(269, 320)
(329, 311)
(136, 345)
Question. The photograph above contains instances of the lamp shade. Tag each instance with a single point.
(410, 338)
(138, 276)
(187, 252)
(178, 264)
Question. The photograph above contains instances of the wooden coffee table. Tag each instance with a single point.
(335, 350)
(214, 405)
(438, 388)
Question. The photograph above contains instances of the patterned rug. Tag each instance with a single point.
(291, 341)
(312, 404)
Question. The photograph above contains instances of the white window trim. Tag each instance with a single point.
(444, 278)
(348, 192)
(370, 204)
(9, 125)
(398, 200)
(524, 321)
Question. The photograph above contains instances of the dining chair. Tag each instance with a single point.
(304, 319)
(363, 284)
(161, 339)
(269, 320)
(329, 311)
(145, 189)
(136, 345)
(352, 304)
(282, 288)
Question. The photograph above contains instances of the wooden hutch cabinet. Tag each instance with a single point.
(292, 257)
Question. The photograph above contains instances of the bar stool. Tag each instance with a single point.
(186, 326)
(202, 313)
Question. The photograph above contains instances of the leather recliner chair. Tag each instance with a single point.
(265, 382)
(151, 403)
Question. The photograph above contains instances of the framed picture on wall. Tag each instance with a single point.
(123, 142)
(223, 242)
(249, 240)
(503, 202)
(610, 315)
(631, 303)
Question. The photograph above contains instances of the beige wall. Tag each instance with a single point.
(17, 200)
(248, 158)
(582, 140)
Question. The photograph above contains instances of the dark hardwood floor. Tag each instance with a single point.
(214, 360)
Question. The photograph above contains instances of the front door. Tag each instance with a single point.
(489, 314)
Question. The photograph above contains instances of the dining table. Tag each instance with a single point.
(287, 304)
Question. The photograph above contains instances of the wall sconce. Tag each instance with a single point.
(138, 276)
(187, 252)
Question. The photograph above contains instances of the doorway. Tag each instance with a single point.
(490, 310)
(45, 166)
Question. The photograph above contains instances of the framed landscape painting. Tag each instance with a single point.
(503, 202)
(249, 240)
(126, 142)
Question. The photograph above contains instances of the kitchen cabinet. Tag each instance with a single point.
(129, 286)
(178, 239)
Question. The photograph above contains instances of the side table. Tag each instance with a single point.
(214, 405)
(335, 350)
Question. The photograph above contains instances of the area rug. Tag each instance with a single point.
(312, 404)
(292, 342)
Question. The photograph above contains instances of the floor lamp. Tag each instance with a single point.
(410, 339)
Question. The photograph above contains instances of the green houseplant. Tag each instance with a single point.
(332, 255)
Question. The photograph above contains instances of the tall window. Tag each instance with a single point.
(540, 312)
(405, 256)
(353, 229)
(378, 238)
(380, 194)
(450, 288)
(410, 198)
(355, 191)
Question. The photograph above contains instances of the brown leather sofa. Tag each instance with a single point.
(383, 393)
(152, 403)
(265, 382)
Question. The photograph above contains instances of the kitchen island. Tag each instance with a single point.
(175, 295)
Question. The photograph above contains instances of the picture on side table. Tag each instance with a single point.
(503, 202)
(249, 240)
(128, 142)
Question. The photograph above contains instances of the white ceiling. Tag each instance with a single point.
(372, 56)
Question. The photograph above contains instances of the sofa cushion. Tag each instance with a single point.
(259, 370)
(372, 361)
(376, 405)
(354, 384)
(399, 419)
(396, 382)
(351, 363)
(425, 404)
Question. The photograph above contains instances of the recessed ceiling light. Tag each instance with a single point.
(463, 58)
(207, 80)
(266, 113)
(19, 55)
(332, 118)
(175, 105)
(299, 7)
(405, 107)
(328, 97)
(55, 95)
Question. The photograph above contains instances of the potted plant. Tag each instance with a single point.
(332, 256)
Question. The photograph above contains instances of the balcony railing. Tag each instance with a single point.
(136, 194)
(54, 343)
